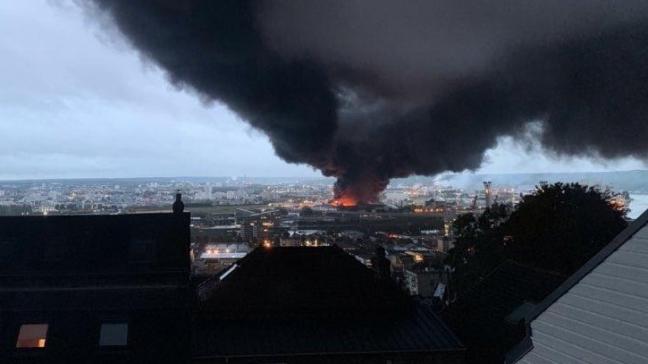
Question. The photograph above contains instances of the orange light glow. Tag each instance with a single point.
(32, 336)
(344, 201)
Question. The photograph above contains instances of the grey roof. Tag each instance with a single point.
(600, 314)
(603, 254)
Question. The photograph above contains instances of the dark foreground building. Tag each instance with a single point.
(95, 289)
(316, 305)
(116, 289)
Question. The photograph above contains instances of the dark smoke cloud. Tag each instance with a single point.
(214, 48)
(370, 90)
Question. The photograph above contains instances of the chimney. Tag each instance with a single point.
(178, 205)
(381, 264)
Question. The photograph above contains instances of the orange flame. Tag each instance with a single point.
(344, 201)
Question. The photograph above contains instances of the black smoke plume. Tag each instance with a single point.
(368, 90)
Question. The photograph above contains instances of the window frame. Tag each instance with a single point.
(114, 346)
(37, 347)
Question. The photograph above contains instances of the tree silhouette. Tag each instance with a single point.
(557, 228)
(561, 226)
(478, 247)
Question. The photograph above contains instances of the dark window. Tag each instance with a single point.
(32, 336)
(113, 334)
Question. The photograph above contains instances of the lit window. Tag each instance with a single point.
(32, 336)
(113, 334)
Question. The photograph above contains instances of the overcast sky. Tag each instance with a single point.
(76, 102)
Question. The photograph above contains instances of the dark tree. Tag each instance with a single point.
(464, 228)
(478, 247)
(561, 226)
(503, 261)
(557, 228)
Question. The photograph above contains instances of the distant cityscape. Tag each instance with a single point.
(232, 216)
(127, 195)
(133, 195)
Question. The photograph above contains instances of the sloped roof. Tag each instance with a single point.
(93, 244)
(420, 330)
(591, 264)
(88, 262)
(599, 314)
(288, 280)
(308, 301)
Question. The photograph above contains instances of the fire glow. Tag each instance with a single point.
(344, 201)
(357, 188)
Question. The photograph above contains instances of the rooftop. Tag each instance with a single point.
(281, 280)
(299, 300)
(76, 245)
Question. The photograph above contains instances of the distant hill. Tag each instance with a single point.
(632, 181)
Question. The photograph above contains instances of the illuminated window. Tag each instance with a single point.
(32, 336)
(113, 334)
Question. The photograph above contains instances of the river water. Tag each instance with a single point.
(638, 205)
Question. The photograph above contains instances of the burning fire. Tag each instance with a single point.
(344, 201)
(357, 188)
